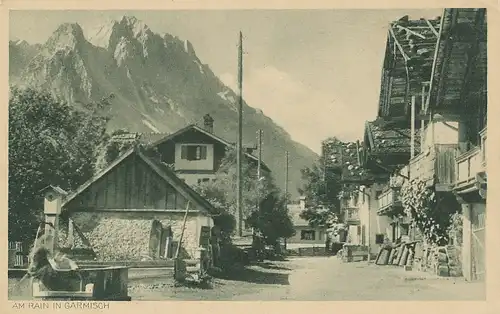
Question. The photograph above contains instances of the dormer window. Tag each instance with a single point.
(194, 152)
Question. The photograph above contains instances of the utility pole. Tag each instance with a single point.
(239, 212)
(259, 141)
(286, 178)
(286, 191)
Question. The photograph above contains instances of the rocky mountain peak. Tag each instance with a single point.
(126, 28)
(158, 81)
(66, 35)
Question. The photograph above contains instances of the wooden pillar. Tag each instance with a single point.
(71, 235)
(467, 241)
(422, 122)
(52, 210)
(412, 126)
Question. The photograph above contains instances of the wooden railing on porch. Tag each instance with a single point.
(471, 162)
(468, 165)
(438, 162)
(389, 198)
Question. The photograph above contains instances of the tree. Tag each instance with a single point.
(263, 206)
(321, 189)
(215, 194)
(326, 181)
(272, 219)
(50, 142)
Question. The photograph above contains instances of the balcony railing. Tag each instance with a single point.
(483, 147)
(468, 165)
(471, 163)
(352, 216)
(438, 162)
(389, 199)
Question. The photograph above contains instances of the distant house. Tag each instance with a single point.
(304, 233)
(194, 153)
(133, 210)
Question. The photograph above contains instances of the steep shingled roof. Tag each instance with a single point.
(461, 59)
(383, 140)
(409, 59)
(154, 139)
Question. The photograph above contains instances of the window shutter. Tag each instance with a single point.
(183, 152)
(203, 152)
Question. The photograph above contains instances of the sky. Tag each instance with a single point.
(316, 73)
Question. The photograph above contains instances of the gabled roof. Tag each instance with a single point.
(460, 59)
(161, 169)
(393, 140)
(56, 188)
(409, 54)
(347, 159)
(205, 132)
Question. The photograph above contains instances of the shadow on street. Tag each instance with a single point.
(268, 265)
(247, 274)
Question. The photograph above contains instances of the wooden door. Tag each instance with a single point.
(155, 239)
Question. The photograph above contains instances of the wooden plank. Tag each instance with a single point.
(145, 190)
(111, 194)
(134, 190)
(119, 187)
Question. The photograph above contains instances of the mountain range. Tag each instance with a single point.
(158, 82)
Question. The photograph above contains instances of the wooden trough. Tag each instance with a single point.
(93, 283)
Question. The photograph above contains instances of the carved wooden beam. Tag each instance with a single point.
(410, 31)
(398, 44)
(459, 198)
(472, 53)
(433, 29)
(446, 59)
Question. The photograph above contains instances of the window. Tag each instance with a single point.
(194, 152)
(379, 238)
(404, 229)
(203, 180)
(307, 235)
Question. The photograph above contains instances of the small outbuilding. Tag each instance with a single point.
(134, 210)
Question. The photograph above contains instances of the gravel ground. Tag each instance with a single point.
(325, 279)
(301, 279)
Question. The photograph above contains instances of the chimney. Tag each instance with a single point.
(302, 202)
(208, 123)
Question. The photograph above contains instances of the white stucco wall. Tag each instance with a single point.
(192, 178)
(204, 164)
(443, 134)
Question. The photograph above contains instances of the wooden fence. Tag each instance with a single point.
(17, 254)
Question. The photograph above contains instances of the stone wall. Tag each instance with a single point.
(126, 235)
(443, 260)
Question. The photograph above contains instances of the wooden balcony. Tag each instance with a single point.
(389, 200)
(352, 216)
(436, 165)
(471, 169)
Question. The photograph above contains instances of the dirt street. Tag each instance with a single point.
(317, 278)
